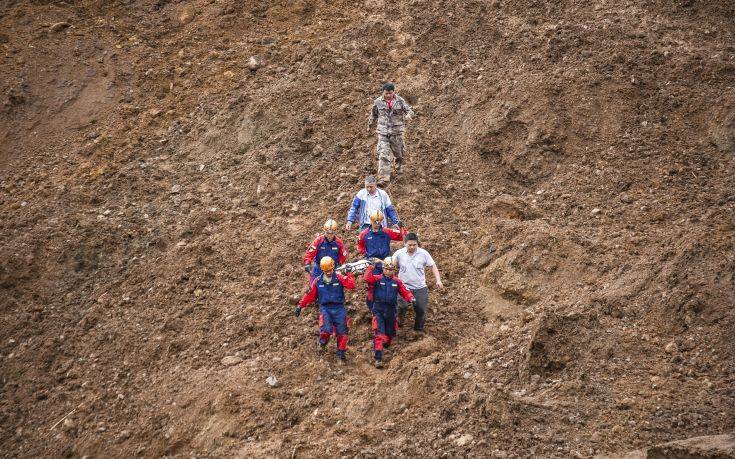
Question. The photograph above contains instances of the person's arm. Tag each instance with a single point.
(311, 252)
(347, 281)
(404, 292)
(310, 296)
(342, 255)
(369, 277)
(361, 242)
(437, 277)
(409, 111)
(373, 117)
(352, 213)
(394, 234)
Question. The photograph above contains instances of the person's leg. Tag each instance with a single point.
(401, 311)
(390, 325)
(339, 317)
(325, 326)
(379, 332)
(398, 148)
(384, 158)
(420, 307)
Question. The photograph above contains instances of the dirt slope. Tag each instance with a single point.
(163, 165)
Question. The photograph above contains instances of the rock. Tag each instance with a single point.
(625, 403)
(231, 360)
(124, 435)
(186, 15)
(176, 189)
(69, 424)
(723, 135)
(483, 255)
(617, 429)
(294, 300)
(59, 26)
(299, 392)
(671, 348)
(463, 440)
(626, 198)
(254, 63)
(229, 74)
(709, 447)
(596, 211)
(272, 381)
(510, 207)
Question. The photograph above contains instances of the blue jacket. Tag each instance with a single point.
(330, 293)
(358, 210)
(385, 290)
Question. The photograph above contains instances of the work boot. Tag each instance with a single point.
(378, 364)
(322, 347)
(341, 355)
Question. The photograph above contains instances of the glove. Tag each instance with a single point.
(348, 269)
(307, 268)
(297, 311)
(399, 223)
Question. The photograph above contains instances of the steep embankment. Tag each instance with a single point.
(164, 164)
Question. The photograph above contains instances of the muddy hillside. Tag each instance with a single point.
(164, 164)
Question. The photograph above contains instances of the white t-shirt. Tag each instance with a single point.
(373, 202)
(411, 267)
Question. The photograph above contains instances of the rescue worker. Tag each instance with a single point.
(386, 287)
(328, 289)
(374, 242)
(389, 113)
(368, 199)
(325, 245)
(412, 260)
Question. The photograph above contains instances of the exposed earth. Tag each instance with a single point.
(164, 165)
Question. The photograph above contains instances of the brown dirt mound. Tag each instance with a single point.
(163, 165)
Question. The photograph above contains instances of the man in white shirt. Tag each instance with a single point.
(412, 261)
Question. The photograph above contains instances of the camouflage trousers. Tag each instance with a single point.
(390, 148)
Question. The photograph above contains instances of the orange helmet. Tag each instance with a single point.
(389, 263)
(376, 215)
(330, 225)
(327, 264)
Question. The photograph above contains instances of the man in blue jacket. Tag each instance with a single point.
(368, 199)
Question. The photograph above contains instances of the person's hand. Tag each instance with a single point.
(307, 268)
(439, 285)
(297, 311)
(348, 226)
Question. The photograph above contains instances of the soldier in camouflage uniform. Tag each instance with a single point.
(390, 112)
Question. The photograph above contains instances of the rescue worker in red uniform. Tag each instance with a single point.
(385, 288)
(374, 242)
(328, 289)
(325, 245)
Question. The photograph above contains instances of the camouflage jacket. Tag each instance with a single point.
(389, 121)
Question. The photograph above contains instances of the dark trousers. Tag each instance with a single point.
(420, 308)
